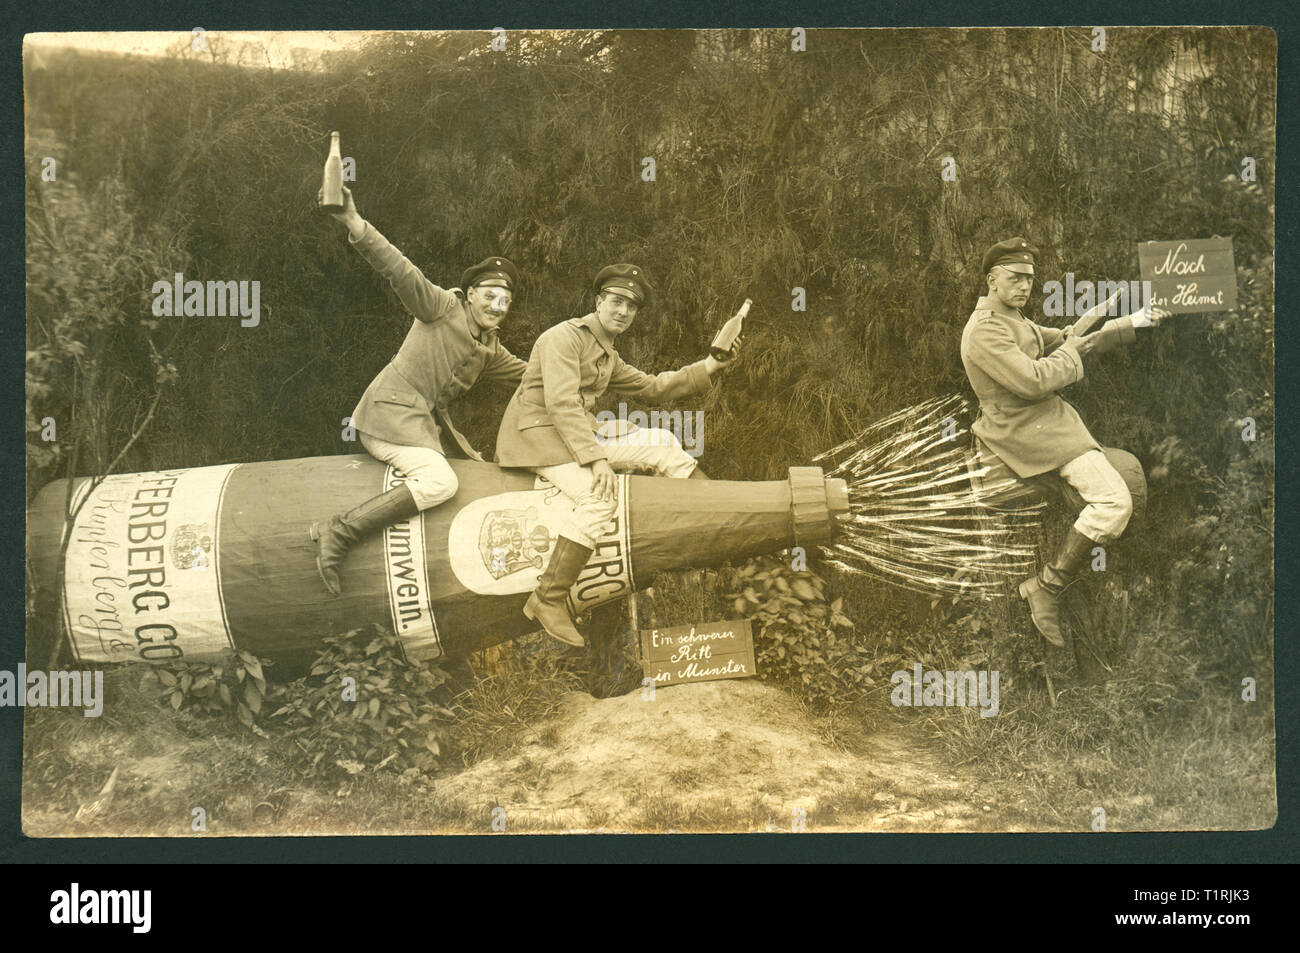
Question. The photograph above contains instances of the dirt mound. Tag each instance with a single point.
(712, 756)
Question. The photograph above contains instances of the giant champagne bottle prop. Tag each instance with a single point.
(185, 564)
(332, 182)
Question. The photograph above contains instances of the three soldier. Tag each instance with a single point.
(1016, 368)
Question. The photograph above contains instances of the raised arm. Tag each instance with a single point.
(421, 297)
(656, 388)
(993, 349)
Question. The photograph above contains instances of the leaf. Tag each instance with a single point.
(166, 677)
(374, 707)
(253, 697)
(254, 667)
(224, 691)
(804, 591)
(243, 714)
(177, 698)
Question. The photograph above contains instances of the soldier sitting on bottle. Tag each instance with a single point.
(452, 344)
(1016, 368)
(549, 428)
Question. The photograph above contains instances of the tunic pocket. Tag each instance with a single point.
(401, 398)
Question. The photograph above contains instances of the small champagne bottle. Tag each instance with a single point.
(721, 346)
(332, 182)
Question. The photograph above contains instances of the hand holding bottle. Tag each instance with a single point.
(348, 215)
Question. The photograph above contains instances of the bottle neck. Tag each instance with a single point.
(680, 524)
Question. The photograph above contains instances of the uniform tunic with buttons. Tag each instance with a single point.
(549, 420)
(1016, 368)
(439, 360)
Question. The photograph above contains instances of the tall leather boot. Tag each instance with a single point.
(344, 530)
(547, 603)
(1043, 591)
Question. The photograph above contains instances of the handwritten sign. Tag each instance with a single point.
(1193, 275)
(698, 653)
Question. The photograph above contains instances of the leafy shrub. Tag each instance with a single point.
(236, 685)
(389, 716)
(95, 353)
(801, 639)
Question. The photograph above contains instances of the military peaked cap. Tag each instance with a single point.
(490, 269)
(1014, 254)
(627, 280)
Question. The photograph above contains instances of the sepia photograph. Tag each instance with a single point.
(676, 431)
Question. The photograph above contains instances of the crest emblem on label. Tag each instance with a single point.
(191, 546)
(499, 545)
(512, 540)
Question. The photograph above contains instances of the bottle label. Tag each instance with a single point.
(500, 545)
(141, 580)
(408, 585)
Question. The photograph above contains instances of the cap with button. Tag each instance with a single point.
(1014, 254)
(628, 280)
(495, 271)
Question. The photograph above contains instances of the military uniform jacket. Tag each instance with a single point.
(549, 420)
(1016, 368)
(439, 360)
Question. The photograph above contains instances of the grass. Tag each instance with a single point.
(1199, 758)
(247, 785)
(1160, 743)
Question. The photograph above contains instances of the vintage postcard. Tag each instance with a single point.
(649, 431)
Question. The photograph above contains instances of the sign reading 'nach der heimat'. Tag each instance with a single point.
(698, 653)
(1197, 274)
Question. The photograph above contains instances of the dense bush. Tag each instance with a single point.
(236, 686)
(801, 639)
(363, 708)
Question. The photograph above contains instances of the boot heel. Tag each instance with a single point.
(1024, 590)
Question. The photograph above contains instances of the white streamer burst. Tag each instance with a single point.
(925, 514)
